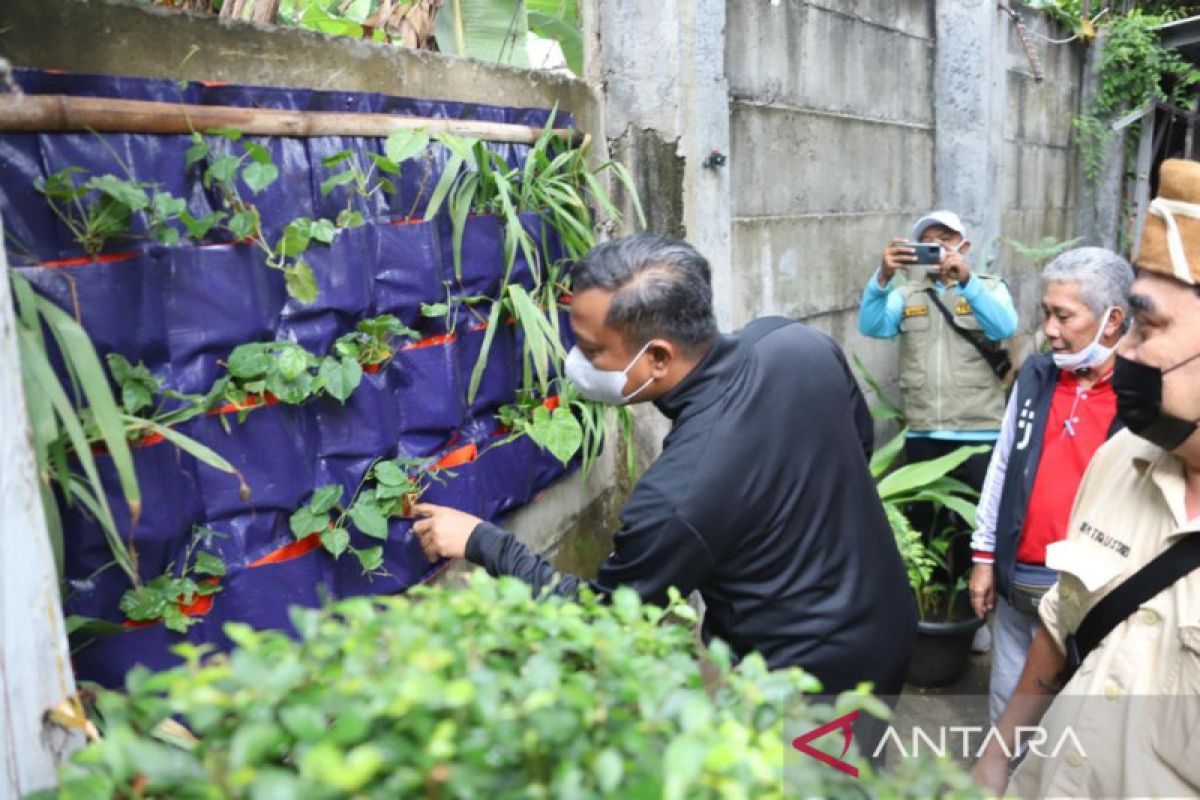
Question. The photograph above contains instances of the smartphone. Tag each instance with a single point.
(926, 253)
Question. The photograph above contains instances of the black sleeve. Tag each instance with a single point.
(858, 406)
(649, 556)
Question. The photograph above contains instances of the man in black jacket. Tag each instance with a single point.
(762, 499)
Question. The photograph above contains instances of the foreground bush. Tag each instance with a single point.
(469, 692)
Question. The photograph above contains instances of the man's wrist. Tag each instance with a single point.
(476, 548)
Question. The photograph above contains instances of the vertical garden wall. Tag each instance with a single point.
(300, 343)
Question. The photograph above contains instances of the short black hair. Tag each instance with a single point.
(662, 289)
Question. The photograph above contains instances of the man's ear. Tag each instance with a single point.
(966, 248)
(1115, 322)
(662, 352)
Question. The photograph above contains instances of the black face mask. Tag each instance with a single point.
(1139, 403)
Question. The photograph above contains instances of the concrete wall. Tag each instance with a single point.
(851, 118)
(832, 153)
(1041, 181)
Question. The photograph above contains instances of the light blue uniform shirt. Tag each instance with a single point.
(882, 310)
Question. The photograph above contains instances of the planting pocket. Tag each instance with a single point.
(501, 373)
(119, 302)
(426, 391)
(505, 475)
(274, 451)
(407, 270)
(344, 282)
(217, 297)
(351, 436)
(167, 478)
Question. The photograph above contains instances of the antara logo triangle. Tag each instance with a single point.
(842, 723)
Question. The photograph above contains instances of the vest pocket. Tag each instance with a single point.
(1178, 713)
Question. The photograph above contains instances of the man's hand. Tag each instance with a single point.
(443, 531)
(954, 268)
(983, 589)
(895, 256)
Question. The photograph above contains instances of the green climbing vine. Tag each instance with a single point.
(1135, 70)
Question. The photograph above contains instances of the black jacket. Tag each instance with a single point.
(763, 501)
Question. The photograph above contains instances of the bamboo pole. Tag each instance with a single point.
(58, 113)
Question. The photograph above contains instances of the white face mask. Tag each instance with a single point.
(1091, 356)
(600, 385)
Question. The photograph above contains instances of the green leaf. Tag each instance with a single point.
(144, 603)
(557, 431)
(250, 361)
(915, 476)
(350, 219)
(324, 231)
(434, 309)
(296, 237)
(259, 176)
(404, 144)
(566, 32)
(340, 376)
(369, 519)
(389, 473)
(198, 228)
(449, 175)
(208, 564)
(305, 523)
(257, 152)
(254, 743)
(197, 152)
(384, 164)
(325, 498)
(78, 351)
(222, 169)
(293, 361)
(337, 158)
(127, 193)
(340, 179)
(301, 283)
(232, 134)
(484, 29)
(244, 223)
(882, 458)
(336, 540)
(371, 558)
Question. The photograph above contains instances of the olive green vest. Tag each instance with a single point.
(947, 385)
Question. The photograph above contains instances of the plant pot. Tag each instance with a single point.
(942, 651)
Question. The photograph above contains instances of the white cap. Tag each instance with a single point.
(947, 219)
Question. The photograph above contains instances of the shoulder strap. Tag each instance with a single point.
(1167, 567)
(995, 356)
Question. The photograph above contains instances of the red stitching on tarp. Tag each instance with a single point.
(288, 552)
(80, 261)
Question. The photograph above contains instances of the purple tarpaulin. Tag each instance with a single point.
(181, 309)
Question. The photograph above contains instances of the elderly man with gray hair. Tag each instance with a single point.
(1062, 408)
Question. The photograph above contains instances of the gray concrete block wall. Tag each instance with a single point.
(1039, 175)
(832, 142)
(830, 148)
(835, 148)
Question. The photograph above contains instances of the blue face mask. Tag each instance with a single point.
(600, 385)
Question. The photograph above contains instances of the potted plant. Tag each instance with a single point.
(947, 623)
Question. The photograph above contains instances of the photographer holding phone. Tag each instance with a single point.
(949, 321)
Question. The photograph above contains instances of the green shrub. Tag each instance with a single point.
(482, 691)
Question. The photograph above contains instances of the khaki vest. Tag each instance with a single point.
(947, 385)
